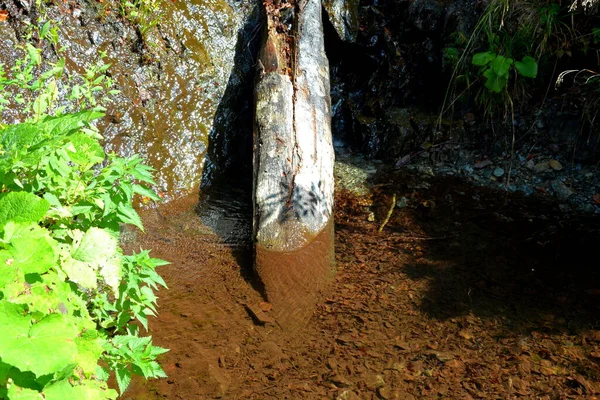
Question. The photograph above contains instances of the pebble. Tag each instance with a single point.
(555, 165)
(482, 164)
(541, 167)
(530, 165)
(498, 172)
(562, 191)
(347, 395)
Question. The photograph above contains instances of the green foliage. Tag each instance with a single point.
(144, 13)
(496, 68)
(514, 42)
(35, 86)
(68, 296)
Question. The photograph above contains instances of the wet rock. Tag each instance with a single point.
(482, 164)
(530, 165)
(402, 202)
(387, 393)
(343, 15)
(374, 381)
(340, 381)
(498, 172)
(562, 191)
(425, 15)
(172, 77)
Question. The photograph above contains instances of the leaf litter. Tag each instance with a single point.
(481, 296)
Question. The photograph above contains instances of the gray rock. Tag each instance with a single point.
(562, 191)
(498, 172)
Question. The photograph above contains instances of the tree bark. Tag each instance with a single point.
(293, 162)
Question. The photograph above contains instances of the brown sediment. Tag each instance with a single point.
(294, 280)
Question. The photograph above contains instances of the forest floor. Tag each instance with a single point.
(467, 293)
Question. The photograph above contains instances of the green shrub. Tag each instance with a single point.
(69, 298)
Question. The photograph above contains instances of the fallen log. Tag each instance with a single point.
(293, 161)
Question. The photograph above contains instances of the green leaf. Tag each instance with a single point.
(528, 67)
(34, 54)
(144, 191)
(18, 393)
(98, 250)
(44, 30)
(43, 348)
(128, 215)
(495, 83)
(22, 207)
(30, 247)
(90, 348)
(501, 65)
(82, 273)
(87, 151)
(123, 377)
(481, 59)
(87, 389)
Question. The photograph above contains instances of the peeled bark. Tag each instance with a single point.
(293, 162)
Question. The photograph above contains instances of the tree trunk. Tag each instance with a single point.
(293, 162)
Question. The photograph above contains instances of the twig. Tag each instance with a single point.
(389, 214)
(423, 238)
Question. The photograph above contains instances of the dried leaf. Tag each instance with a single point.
(466, 334)
(3, 15)
(555, 165)
(264, 306)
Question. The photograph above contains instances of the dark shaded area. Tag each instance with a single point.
(226, 187)
(229, 152)
(497, 255)
(395, 72)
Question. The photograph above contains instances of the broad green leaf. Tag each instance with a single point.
(95, 244)
(45, 29)
(18, 393)
(481, 59)
(528, 67)
(31, 247)
(495, 83)
(501, 65)
(99, 249)
(43, 348)
(86, 150)
(87, 389)
(80, 272)
(90, 348)
(12, 320)
(51, 294)
(22, 207)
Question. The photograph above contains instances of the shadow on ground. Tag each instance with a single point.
(494, 255)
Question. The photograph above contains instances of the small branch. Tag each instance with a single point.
(389, 214)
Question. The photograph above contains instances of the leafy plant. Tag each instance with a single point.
(67, 293)
(69, 298)
(144, 13)
(33, 85)
(495, 68)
